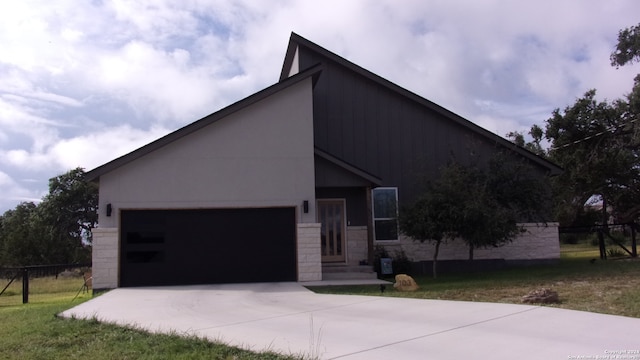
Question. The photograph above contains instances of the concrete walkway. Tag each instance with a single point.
(288, 318)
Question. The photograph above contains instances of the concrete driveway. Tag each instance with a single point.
(288, 318)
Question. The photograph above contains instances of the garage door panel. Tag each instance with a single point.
(171, 247)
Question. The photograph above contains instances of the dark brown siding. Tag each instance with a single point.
(356, 200)
(386, 133)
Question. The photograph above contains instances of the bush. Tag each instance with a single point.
(618, 238)
(571, 239)
(615, 252)
(593, 239)
(401, 263)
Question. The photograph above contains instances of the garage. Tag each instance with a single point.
(207, 246)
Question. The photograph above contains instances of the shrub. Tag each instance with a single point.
(593, 239)
(569, 239)
(615, 252)
(401, 263)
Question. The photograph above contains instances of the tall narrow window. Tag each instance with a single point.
(385, 213)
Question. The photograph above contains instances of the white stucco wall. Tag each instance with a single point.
(538, 242)
(295, 65)
(259, 156)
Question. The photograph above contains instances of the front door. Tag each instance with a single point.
(331, 214)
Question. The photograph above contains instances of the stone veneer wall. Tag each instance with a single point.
(105, 258)
(309, 252)
(356, 244)
(540, 241)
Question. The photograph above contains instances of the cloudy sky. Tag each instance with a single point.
(83, 82)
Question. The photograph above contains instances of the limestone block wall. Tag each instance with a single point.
(105, 258)
(356, 244)
(540, 241)
(309, 252)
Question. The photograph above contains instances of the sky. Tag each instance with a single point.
(84, 82)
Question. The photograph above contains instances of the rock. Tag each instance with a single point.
(541, 296)
(405, 283)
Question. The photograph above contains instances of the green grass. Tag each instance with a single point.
(609, 286)
(41, 290)
(32, 331)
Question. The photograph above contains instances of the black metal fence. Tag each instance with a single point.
(34, 271)
(605, 232)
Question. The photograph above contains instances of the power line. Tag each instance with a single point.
(611, 128)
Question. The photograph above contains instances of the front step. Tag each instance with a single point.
(347, 272)
(349, 276)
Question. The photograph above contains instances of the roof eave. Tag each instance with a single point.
(372, 179)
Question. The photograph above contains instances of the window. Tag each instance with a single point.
(385, 213)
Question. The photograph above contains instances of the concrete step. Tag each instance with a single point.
(347, 272)
(342, 268)
(349, 276)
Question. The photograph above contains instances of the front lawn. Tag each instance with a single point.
(603, 286)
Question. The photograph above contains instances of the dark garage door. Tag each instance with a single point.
(176, 247)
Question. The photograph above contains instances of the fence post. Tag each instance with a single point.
(25, 285)
(634, 251)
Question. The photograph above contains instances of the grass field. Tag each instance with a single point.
(603, 286)
(42, 290)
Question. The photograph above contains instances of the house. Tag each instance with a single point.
(288, 184)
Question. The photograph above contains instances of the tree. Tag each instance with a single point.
(506, 192)
(67, 215)
(19, 246)
(589, 140)
(57, 230)
(431, 217)
(481, 206)
(597, 143)
(628, 48)
(535, 145)
(627, 196)
(627, 52)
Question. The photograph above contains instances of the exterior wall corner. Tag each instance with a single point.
(105, 258)
(309, 252)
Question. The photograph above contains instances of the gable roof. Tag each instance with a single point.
(296, 40)
(95, 174)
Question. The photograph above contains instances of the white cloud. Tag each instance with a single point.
(87, 151)
(94, 149)
(14, 193)
(77, 78)
(152, 81)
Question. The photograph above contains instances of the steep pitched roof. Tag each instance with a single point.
(95, 174)
(296, 40)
